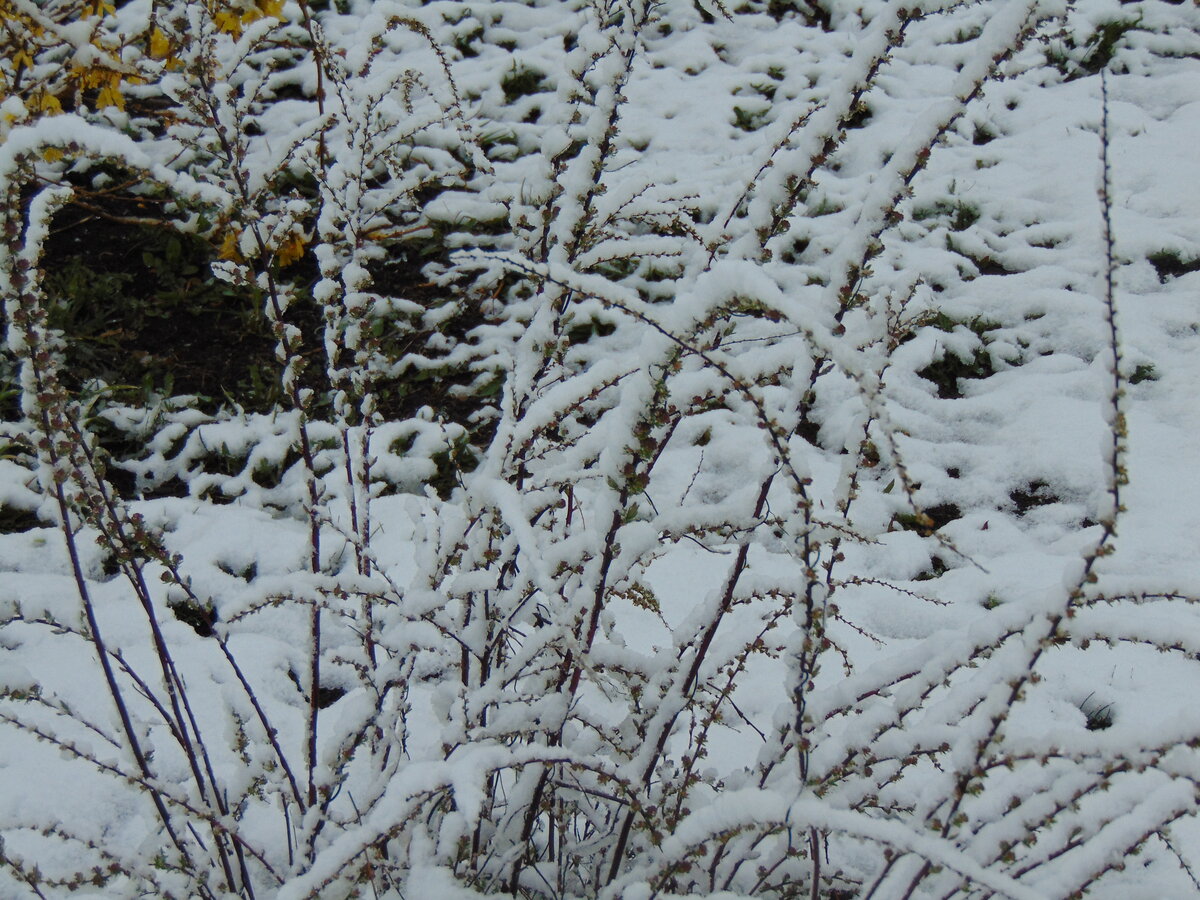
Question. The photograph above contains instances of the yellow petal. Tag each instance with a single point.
(290, 250)
(110, 95)
(88, 77)
(160, 44)
(229, 247)
(45, 102)
(228, 22)
(273, 8)
(52, 154)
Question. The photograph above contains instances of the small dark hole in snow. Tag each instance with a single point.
(1168, 264)
(13, 520)
(809, 431)
(937, 567)
(1098, 717)
(989, 266)
(123, 482)
(947, 372)
(246, 573)
(199, 618)
(327, 696)
(1036, 493)
(173, 487)
(943, 514)
(928, 520)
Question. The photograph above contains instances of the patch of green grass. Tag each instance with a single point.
(1097, 716)
(764, 89)
(1077, 59)
(1143, 372)
(1170, 264)
(464, 43)
(522, 81)
(937, 568)
(199, 618)
(958, 215)
(142, 315)
(1102, 45)
(585, 331)
(824, 207)
(943, 322)
(948, 372)
(749, 120)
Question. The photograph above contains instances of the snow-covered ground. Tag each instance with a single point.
(790, 562)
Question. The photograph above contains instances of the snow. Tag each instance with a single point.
(683, 615)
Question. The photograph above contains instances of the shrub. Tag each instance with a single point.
(488, 601)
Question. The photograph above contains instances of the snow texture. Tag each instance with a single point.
(822, 523)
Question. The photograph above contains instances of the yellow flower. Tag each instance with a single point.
(228, 22)
(106, 80)
(290, 250)
(232, 22)
(229, 247)
(110, 95)
(45, 102)
(160, 44)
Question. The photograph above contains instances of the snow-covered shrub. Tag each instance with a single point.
(747, 545)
